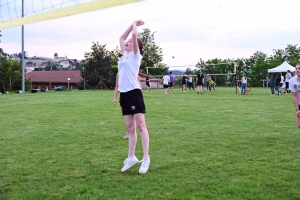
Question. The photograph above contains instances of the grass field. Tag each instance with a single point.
(69, 145)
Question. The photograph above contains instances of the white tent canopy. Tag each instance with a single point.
(282, 68)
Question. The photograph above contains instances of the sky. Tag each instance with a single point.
(186, 30)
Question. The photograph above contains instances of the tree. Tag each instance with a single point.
(97, 66)
(10, 72)
(50, 66)
(220, 70)
(153, 54)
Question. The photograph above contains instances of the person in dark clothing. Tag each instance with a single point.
(148, 82)
(277, 84)
(272, 82)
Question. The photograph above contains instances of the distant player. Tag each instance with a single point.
(172, 79)
(166, 82)
(212, 84)
(200, 80)
(148, 82)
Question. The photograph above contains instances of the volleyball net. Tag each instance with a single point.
(20, 12)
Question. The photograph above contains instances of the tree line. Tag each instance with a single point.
(100, 65)
(256, 67)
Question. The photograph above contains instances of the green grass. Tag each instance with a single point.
(69, 145)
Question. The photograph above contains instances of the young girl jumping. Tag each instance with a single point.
(131, 97)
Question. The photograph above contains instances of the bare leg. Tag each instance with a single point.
(140, 121)
(132, 136)
(298, 121)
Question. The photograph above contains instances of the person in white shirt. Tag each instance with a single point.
(294, 86)
(281, 82)
(166, 82)
(244, 84)
(287, 80)
(190, 82)
(131, 97)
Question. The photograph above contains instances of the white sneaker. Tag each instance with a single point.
(126, 136)
(129, 162)
(145, 165)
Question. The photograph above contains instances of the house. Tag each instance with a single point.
(51, 79)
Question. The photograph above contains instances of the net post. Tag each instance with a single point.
(22, 62)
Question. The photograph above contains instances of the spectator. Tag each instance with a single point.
(287, 80)
(244, 84)
(277, 83)
(272, 84)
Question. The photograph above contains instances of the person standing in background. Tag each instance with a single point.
(281, 82)
(207, 79)
(272, 84)
(172, 79)
(277, 83)
(287, 80)
(148, 82)
(244, 84)
(166, 82)
(190, 82)
(200, 79)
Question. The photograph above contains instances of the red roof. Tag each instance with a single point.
(55, 76)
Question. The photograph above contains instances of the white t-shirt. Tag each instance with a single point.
(190, 79)
(288, 76)
(244, 80)
(166, 80)
(128, 69)
(282, 79)
(294, 86)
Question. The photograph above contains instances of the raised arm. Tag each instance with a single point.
(133, 29)
(135, 45)
(123, 38)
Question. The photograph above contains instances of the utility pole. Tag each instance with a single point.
(23, 70)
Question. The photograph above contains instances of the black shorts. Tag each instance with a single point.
(287, 85)
(166, 86)
(148, 84)
(171, 84)
(199, 83)
(132, 102)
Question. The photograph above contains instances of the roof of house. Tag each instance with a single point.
(54, 76)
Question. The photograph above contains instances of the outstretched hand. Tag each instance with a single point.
(298, 113)
(139, 23)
